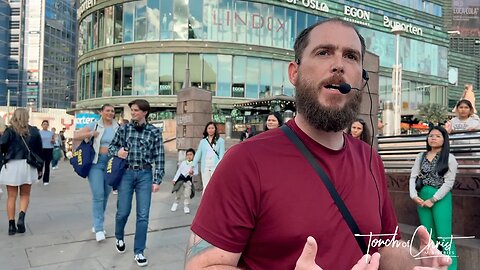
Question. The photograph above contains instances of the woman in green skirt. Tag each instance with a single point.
(431, 182)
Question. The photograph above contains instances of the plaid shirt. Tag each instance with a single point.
(144, 147)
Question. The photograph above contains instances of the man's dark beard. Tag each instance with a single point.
(322, 117)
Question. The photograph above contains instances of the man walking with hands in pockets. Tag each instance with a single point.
(140, 144)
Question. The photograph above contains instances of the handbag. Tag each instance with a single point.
(330, 187)
(82, 157)
(57, 153)
(116, 167)
(419, 180)
(32, 158)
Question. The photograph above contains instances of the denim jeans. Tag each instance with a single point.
(100, 191)
(140, 182)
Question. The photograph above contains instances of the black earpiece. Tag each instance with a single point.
(297, 60)
(365, 75)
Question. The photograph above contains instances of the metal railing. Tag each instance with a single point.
(399, 152)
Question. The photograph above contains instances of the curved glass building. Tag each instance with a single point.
(240, 49)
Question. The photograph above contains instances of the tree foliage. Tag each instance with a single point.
(433, 113)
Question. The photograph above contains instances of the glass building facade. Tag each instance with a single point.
(4, 49)
(241, 49)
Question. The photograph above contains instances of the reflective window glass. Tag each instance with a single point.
(210, 72)
(166, 23)
(224, 78)
(180, 18)
(195, 66)
(118, 34)
(101, 28)
(290, 28)
(93, 79)
(95, 30)
(128, 10)
(288, 88)
(180, 64)
(117, 76)
(107, 77)
(88, 83)
(127, 75)
(166, 74)
(265, 29)
(239, 74)
(265, 77)
(151, 75)
(211, 20)
(253, 77)
(141, 20)
(153, 20)
(277, 27)
(139, 75)
(277, 78)
(195, 22)
(109, 25)
(99, 79)
(240, 20)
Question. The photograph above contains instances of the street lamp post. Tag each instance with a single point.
(397, 82)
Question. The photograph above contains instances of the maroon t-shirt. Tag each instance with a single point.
(265, 199)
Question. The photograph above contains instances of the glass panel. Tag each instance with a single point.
(117, 76)
(239, 70)
(288, 88)
(88, 21)
(253, 77)
(128, 10)
(127, 75)
(109, 25)
(141, 20)
(166, 25)
(118, 35)
(93, 76)
(210, 72)
(101, 28)
(195, 22)
(87, 80)
(240, 19)
(180, 27)
(180, 63)
(224, 75)
(277, 82)
(151, 75)
(278, 27)
(224, 21)
(195, 66)
(95, 30)
(301, 21)
(99, 79)
(139, 75)
(107, 77)
(265, 77)
(290, 28)
(153, 20)
(266, 34)
(210, 15)
(166, 74)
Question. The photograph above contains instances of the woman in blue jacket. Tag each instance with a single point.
(210, 151)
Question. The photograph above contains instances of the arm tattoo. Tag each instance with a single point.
(196, 245)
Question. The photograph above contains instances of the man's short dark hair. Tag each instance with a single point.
(304, 37)
(190, 150)
(142, 104)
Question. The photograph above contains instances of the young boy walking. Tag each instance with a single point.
(182, 182)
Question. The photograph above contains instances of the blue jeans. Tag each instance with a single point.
(100, 191)
(140, 182)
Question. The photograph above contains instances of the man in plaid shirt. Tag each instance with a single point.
(141, 145)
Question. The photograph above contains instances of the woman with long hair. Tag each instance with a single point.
(431, 182)
(102, 133)
(465, 120)
(210, 151)
(359, 130)
(17, 140)
(274, 120)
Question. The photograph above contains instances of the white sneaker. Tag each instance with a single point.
(100, 236)
(115, 192)
(104, 231)
(141, 260)
(186, 210)
(174, 207)
(45, 184)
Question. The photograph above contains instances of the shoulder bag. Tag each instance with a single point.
(32, 158)
(116, 167)
(83, 156)
(419, 180)
(328, 184)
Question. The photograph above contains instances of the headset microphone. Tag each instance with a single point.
(343, 87)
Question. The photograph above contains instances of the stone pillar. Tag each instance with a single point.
(228, 127)
(194, 111)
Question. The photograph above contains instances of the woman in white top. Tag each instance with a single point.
(209, 152)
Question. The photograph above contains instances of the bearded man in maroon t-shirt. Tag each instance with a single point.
(266, 207)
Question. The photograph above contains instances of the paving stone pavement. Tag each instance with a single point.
(59, 226)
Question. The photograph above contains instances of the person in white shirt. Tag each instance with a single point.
(182, 182)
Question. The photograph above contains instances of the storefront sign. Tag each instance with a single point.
(83, 119)
(356, 15)
(311, 4)
(84, 6)
(255, 20)
(409, 28)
